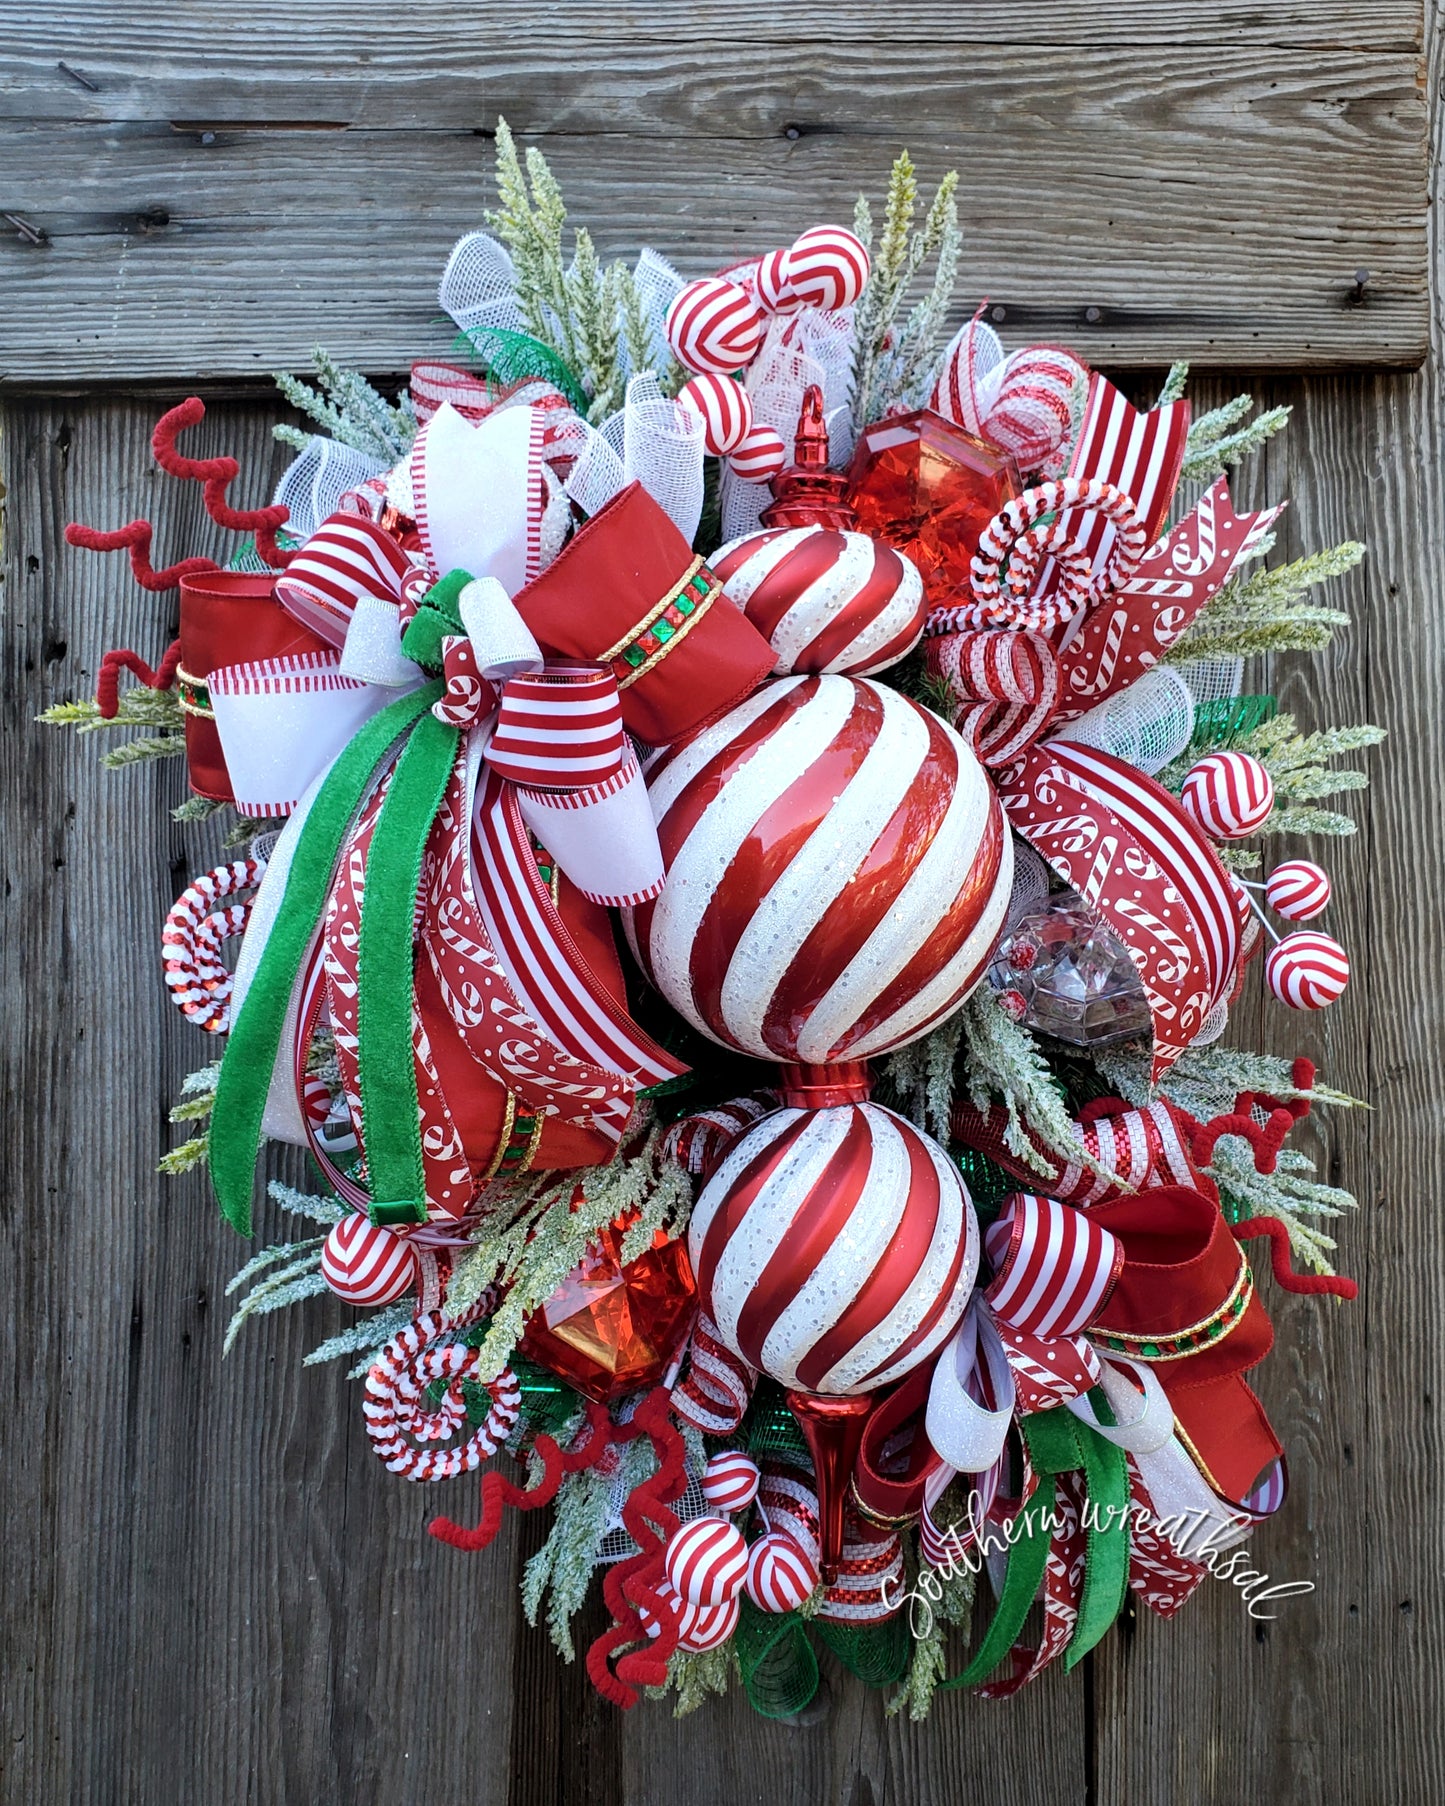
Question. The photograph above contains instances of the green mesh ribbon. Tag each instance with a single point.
(390, 1111)
(1230, 718)
(776, 1660)
(878, 1653)
(988, 1184)
(516, 357)
(771, 1428)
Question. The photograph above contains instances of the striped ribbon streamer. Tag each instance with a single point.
(348, 557)
(560, 729)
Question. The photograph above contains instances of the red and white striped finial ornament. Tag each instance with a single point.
(1298, 890)
(781, 1575)
(365, 1263)
(1230, 794)
(730, 1481)
(723, 406)
(1307, 971)
(707, 1561)
(714, 327)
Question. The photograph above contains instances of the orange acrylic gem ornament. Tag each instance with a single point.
(611, 1329)
(929, 488)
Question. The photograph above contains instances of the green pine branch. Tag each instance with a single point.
(1265, 611)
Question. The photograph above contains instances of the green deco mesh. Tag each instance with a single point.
(1230, 718)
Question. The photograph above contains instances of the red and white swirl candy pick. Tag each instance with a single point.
(759, 455)
(1298, 890)
(195, 973)
(781, 1576)
(399, 1416)
(707, 1561)
(730, 1481)
(724, 407)
(827, 267)
(714, 327)
(1032, 528)
(365, 1263)
(1230, 794)
(1307, 970)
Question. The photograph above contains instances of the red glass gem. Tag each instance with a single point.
(929, 488)
(611, 1329)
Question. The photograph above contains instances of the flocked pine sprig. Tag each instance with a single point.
(1205, 1081)
(595, 306)
(949, 1599)
(198, 809)
(139, 706)
(1175, 383)
(292, 1269)
(561, 1571)
(198, 1097)
(635, 325)
(543, 1233)
(348, 409)
(1223, 436)
(366, 1337)
(884, 352)
(919, 1079)
(530, 220)
(1264, 611)
(1284, 1194)
(696, 1676)
(1002, 1063)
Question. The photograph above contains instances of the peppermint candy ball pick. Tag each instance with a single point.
(781, 1576)
(367, 1264)
(759, 455)
(699, 1627)
(774, 290)
(730, 1481)
(1307, 971)
(827, 267)
(1298, 890)
(1230, 795)
(714, 327)
(724, 407)
(707, 1561)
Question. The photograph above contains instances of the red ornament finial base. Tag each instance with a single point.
(820, 1087)
(833, 1429)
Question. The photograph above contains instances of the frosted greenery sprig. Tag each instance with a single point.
(197, 809)
(1218, 438)
(1264, 611)
(950, 1598)
(530, 220)
(561, 1571)
(198, 1097)
(636, 327)
(1003, 1063)
(1205, 1081)
(1283, 1194)
(348, 409)
(595, 303)
(1174, 384)
(920, 1077)
(367, 1336)
(139, 706)
(887, 360)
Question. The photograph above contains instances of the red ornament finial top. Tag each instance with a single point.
(807, 493)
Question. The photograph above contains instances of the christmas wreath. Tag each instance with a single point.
(738, 829)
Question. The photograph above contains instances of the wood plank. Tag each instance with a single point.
(1225, 223)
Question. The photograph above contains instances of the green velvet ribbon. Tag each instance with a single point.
(1058, 1443)
(391, 1120)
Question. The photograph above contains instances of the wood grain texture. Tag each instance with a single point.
(209, 1589)
(1144, 180)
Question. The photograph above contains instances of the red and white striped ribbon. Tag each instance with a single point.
(1053, 1266)
(346, 558)
(560, 729)
(1006, 683)
(713, 1394)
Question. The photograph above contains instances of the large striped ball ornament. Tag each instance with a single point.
(781, 1576)
(366, 1264)
(759, 455)
(730, 1481)
(834, 1249)
(713, 326)
(1229, 794)
(723, 406)
(1307, 970)
(838, 872)
(707, 1561)
(827, 267)
(824, 600)
(1298, 890)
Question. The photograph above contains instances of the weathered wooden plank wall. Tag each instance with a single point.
(211, 1592)
(208, 192)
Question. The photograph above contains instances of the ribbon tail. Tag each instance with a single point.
(1106, 1563)
(256, 1035)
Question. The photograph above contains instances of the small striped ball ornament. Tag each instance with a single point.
(827, 267)
(781, 1576)
(730, 1481)
(1229, 794)
(838, 873)
(774, 290)
(759, 455)
(1307, 970)
(699, 1627)
(365, 1263)
(825, 600)
(1298, 890)
(835, 1249)
(724, 408)
(714, 327)
(707, 1561)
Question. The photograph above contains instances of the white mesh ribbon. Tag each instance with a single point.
(651, 441)
(1148, 724)
(478, 286)
(1212, 679)
(658, 286)
(313, 484)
